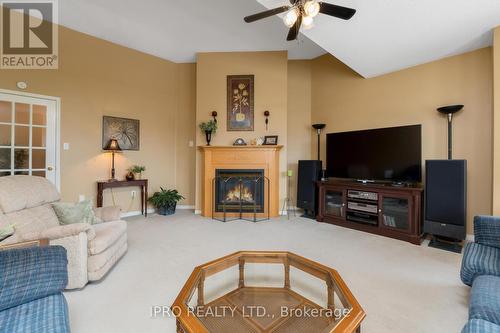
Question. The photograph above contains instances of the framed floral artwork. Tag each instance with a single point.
(126, 131)
(240, 99)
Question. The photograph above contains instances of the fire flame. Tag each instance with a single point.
(234, 194)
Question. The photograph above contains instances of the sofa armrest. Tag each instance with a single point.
(487, 230)
(37, 242)
(107, 214)
(31, 273)
(479, 260)
(68, 230)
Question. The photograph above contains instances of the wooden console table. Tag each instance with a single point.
(142, 183)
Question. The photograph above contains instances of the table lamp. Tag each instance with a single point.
(113, 147)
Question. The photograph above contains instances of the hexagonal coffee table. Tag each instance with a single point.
(266, 309)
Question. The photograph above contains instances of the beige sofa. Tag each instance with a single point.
(92, 250)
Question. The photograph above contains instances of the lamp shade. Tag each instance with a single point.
(113, 145)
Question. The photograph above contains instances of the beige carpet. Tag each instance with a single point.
(402, 287)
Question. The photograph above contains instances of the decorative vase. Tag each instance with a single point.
(208, 136)
(167, 210)
(240, 117)
(130, 176)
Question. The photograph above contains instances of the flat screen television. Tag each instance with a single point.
(385, 154)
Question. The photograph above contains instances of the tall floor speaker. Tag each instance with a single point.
(446, 199)
(307, 193)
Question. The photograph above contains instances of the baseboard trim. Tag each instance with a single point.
(135, 213)
(185, 207)
(469, 238)
(197, 211)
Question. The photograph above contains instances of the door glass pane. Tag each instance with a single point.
(5, 158)
(396, 212)
(38, 173)
(22, 113)
(4, 173)
(21, 158)
(38, 139)
(26, 173)
(39, 115)
(38, 159)
(5, 112)
(334, 203)
(5, 137)
(22, 137)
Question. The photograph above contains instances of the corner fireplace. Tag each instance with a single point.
(239, 190)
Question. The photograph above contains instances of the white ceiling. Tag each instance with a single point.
(383, 36)
(388, 35)
(178, 29)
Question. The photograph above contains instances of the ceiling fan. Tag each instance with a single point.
(301, 14)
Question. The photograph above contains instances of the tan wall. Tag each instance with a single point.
(345, 101)
(496, 122)
(299, 117)
(97, 78)
(270, 70)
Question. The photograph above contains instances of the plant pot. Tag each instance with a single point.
(138, 176)
(208, 136)
(167, 210)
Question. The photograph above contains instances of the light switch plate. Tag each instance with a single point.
(66, 146)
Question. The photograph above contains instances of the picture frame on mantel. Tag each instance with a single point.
(240, 102)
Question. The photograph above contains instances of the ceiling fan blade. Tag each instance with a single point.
(267, 13)
(294, 31)
(336, 11)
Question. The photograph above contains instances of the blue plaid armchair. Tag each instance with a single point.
(481, 270)
(31, 285)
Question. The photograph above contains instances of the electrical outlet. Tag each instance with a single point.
(133, 193)
(191, 143)
(81, 197)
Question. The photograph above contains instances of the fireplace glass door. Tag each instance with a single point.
(239, 190)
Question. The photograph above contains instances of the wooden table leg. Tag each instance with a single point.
(146, 200)
(99, 195)
(142, 200)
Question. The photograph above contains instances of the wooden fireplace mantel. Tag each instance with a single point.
(241, 157)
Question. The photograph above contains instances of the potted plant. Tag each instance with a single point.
(209, 127)
(137, 170)
(165, 201)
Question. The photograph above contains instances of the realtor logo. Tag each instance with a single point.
(29, 34)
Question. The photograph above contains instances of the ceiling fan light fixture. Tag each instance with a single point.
(312, 8)
(291, 17)
(307, 22)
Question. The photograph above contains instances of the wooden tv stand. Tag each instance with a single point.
(380, 209)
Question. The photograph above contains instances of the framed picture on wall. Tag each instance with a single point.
(126, 131)
(240, 103)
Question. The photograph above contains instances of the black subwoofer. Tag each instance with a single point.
(307, 194)
(446, 198)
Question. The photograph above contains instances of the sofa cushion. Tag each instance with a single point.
(71, 213)
(485, 299)
(479, 260)
(480, 326)
(31, 273)
(21, 192)
(48, 315)
(106, 234)
(31, 221)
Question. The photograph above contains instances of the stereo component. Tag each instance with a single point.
(362, 195)
(362, 207)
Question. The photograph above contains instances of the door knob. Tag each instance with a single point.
(50, 168)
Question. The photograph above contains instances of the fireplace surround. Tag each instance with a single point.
(245, 158)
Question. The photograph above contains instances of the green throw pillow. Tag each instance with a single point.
(69, 213)
(6, 231)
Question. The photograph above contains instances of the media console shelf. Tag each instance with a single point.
(385, 210)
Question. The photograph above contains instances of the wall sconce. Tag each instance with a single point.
(214, 115)
(267, 114)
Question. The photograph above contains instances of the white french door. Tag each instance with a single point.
(28, 136)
